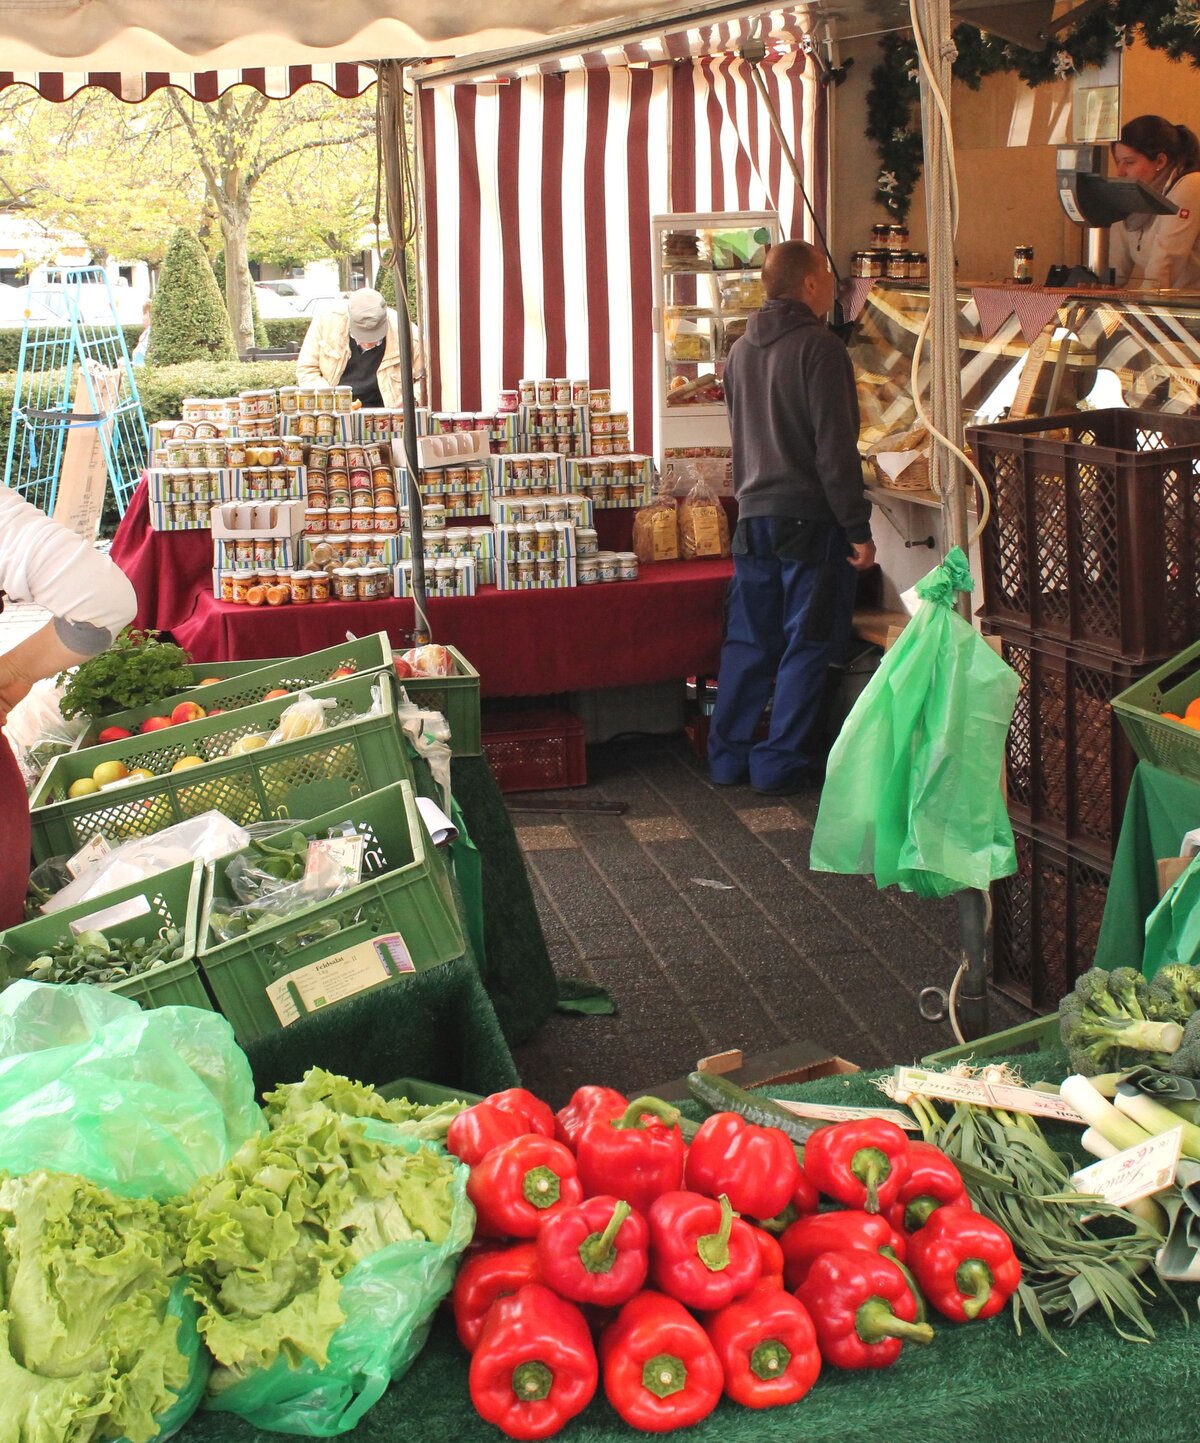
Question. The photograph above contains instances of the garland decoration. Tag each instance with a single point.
(893, 122)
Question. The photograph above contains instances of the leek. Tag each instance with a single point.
(1156, 1119)
(1113, 1125)
(1097, 1144)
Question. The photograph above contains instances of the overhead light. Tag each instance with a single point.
(1021, 22)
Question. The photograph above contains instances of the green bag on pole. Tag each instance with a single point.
(912, 790)
(1173, 928)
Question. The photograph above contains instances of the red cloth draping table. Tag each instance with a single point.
(667, 624)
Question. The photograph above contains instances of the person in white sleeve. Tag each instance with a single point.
(359, 347)
(89, 600)
(1159, 252)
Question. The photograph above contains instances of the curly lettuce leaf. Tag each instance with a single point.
(425, 1121)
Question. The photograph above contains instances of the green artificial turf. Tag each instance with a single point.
(974, 1384)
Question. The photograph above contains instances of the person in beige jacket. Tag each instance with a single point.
(359, 347)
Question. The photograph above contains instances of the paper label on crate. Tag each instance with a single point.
(1136, 1173)
(333, 864)
(982, 1093)
(111, 916)
(340, 975)
(94, 850)
(820, 1112)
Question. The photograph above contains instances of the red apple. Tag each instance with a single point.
(341, 672)
(187, 711)
(113, 734)
(156, 723)
(277, 691)
(216, 711)
(403, 668)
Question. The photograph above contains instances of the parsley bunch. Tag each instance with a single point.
(137, 668)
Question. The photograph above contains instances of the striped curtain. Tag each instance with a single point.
(537, 197)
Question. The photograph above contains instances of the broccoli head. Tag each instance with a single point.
(1092, 990)
(1099, 1041)
(1186, 1061)
(1129, 990)
(1175, 992)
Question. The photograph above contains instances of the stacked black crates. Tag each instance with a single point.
(1091, 579)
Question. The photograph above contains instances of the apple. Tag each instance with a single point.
(341, 673)
(109, 772)
(184, 763)
(403, 668)
(156, 723)
(209, 680)
(84, 787)
(430, 660)
(187, 711)
(142, 774)
(217, 711)
(275, 692)
(113, 734)
(250, 743)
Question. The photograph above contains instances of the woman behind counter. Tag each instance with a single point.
(1159, 252)
(89, 599)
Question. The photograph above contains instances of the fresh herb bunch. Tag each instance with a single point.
(137, 668)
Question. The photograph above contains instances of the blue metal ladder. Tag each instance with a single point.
(42, 403)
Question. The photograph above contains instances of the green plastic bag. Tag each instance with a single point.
(187, 1340)
(1173, 928)
(389, 1300)
(142, 1103)
(912, 790)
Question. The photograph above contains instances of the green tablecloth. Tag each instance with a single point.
(1161, 807)
(973, 1382)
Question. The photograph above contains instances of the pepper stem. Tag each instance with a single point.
(913, 1288)
(632, 1116)
(919, 1211)
(532, 1381)
(871, 1166)
(664, 1374)
(875, 1321)
(598, 1251)
(770, 1359)
(974, 1280)
(541, 1187)
(713, 1248)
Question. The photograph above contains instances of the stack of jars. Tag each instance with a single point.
(182, 498)
(610, 481)
(351, 494)
(459, 489)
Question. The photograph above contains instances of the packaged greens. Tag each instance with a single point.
(97, 1339)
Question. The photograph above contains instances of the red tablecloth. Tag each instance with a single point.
(667, 624)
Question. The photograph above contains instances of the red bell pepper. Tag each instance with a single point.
(519, 1183)
(767, 1346)
(861, 1164)
(535, 1365)
(536, 1114)
(965, 1264)
(805, 1199)
(838, 1232)
(637, 1156)
(699, 1252)
(596, 1252)
(495, 1273)
(862, 1309)
(770, 1255)
(476, 1130)
(660, 1370)
(586, 1103)
(933, 1182)
(755, 1167)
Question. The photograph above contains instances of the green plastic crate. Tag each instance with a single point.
(406, 890)
(170, 899)
(247, 686)
(1167, 744)
(457, 698)
(299, 778)
(1035, 1035)
(416, 1089)
(202, 670)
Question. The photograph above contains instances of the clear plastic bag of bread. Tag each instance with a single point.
(656, 527)
(703, 524)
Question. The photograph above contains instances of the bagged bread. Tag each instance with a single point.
(656, 529)
(703, 525)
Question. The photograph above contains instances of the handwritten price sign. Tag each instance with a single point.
(822, 1112)
(950, 1088)
(1136, 1173)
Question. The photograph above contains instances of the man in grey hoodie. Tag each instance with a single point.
(804, 527)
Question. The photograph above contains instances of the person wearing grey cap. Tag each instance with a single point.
(357, 346)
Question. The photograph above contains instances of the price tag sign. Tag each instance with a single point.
(833, 1113)
(982, 1093)
(1137, 1172)
(333, 863)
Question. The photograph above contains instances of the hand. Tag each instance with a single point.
(14, 686)
(862, 555)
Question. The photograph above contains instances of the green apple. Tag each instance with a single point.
(108, 772)
(84, 787)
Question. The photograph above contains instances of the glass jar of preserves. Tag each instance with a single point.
(897, 236)
(1023, 265)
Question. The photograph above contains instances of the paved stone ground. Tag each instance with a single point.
(697, 910)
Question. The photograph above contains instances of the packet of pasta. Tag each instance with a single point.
(703, 525)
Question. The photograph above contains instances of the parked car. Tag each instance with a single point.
(274, 303)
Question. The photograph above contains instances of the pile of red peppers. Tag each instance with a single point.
(620, 1246)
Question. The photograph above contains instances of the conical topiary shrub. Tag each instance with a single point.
(188, 321)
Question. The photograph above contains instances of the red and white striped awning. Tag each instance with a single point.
(276, 82)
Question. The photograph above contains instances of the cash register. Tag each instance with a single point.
(1096, 201)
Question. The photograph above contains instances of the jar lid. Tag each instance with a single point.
(626, 555)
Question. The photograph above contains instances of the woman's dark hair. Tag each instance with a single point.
(1152, 136)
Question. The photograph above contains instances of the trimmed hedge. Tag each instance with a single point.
(279, 332)
(188, 321)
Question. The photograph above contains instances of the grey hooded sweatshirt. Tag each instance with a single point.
(793, 414)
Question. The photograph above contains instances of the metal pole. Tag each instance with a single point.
(392, 135)
(971, 1001)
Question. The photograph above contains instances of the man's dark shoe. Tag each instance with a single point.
(809, 780)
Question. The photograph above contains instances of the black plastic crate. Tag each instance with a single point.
(1094, 536)
(1046, 920)
(1068, 764)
